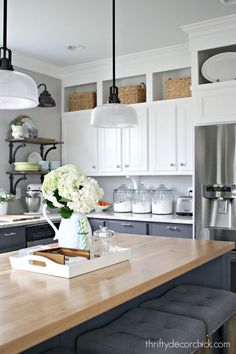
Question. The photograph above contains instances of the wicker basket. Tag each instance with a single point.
(132, 94)
(82, 100)
(178, 88)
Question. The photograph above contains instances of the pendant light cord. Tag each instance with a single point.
(113, 98)
(5, 53)
(4, 27)
(113, 44)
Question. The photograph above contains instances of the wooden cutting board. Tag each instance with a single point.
(13, 218)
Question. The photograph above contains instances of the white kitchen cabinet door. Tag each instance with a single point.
(109, 150)
(80, 142)
(162, 137)
(185, 136)
(215, 103)
(135, 144)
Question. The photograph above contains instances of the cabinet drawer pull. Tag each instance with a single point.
(173, 228)
(117, 166)
(172, 164)
(126, 165)
(182, 164)
(93, 166)
(10, 234)
(126, 225)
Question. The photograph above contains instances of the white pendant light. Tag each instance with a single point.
(17, 90)
(114, 114)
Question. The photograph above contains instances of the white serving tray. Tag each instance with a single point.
(24, 262)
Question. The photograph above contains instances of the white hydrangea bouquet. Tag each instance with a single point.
(75, 195)
(70, 190)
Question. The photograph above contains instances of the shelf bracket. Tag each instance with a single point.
(44, 155)
(12, 152)
(14, 185)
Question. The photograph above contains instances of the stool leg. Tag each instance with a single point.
(207, 350)
(232, 334)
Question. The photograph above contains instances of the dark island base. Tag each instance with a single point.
(214, 274)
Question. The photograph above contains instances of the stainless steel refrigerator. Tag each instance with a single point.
(215, 186)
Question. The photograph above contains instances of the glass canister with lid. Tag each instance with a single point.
(103, 241)
(122, 199)
(162, 200)
(141, 202)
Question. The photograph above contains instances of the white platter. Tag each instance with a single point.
(34, 157)
(24, 262)
(220, 67)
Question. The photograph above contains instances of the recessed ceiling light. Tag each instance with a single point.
(228, 2)
(75, 47)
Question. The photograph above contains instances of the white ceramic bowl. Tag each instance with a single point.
(100, 208)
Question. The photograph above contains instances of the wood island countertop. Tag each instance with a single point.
(35, 307)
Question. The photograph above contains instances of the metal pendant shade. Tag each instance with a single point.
(45, 98)
(114, 114)
(17, 90)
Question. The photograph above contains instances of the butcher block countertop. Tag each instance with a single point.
(35, 307)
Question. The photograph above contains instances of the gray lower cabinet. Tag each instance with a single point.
(127, 227)
(144, 228)
(12, 239)
(171, 230)
(96, 223)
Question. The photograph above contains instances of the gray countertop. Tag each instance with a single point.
(173, 218)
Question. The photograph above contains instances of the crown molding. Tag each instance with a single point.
(39, 66)
(135, 59)
(210, 26)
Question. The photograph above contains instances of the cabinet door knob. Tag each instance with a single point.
(126, 165)
(172, 164)
(117, 166)
(182, 164)
(93, 166)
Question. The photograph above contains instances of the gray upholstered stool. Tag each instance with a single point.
(140, 331)
(58, 351)
(212, 306)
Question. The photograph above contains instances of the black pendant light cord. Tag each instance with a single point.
(5, 53)
(113, 98)
(5, 27)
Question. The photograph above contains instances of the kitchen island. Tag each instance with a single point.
(36, 307)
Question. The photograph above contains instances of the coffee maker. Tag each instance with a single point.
(34, 199)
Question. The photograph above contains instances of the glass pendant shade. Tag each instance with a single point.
(114, 115)
(17, 91)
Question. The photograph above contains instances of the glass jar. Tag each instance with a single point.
(103, 241)
(162, 200)
(122, 198)
(141, 202)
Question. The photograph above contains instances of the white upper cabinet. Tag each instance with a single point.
(185, 136)
(171, 136)
(134, 146)
(80, 142)
(213, 46)
(162, 137)
(109, 150)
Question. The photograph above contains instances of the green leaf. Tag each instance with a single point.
(66, 212)
(49, 204)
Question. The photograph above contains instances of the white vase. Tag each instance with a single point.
(3, 208)
(70, 233)
(18, 131)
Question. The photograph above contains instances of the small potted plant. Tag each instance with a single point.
(4, 199)
(18, 130)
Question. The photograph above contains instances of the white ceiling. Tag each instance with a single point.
(44, 28)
